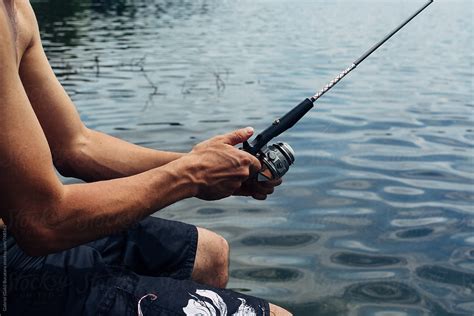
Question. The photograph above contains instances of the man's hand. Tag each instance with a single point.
(218, 168)
(257, 190)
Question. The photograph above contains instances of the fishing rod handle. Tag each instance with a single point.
(278, 126)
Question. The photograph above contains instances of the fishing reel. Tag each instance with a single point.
(276, 160)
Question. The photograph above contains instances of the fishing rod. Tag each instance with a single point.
(278, 158)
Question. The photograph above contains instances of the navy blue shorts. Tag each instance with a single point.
(145, 270)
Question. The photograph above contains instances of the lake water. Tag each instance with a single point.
(376, 217)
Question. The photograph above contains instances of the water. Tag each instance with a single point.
(376, 217)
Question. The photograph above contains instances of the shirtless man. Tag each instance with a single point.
(92, 248)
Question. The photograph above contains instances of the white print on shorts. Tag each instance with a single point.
(198, 306)
(152, 297)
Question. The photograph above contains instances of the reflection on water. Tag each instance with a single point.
(376, 217)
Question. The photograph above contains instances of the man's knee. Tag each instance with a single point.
(211, 265)
(220, 262)
(276, 310)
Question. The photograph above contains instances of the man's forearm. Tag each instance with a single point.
(98, 156)
(79, 213)
(54, 216)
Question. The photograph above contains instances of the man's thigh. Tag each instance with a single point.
(152, 247)
(53, 284)
(78, 282)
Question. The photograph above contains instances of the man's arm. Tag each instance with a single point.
(78, 151)
(83, 153)
(46, 216)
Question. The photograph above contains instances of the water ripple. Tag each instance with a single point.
(363, 260)
(267, 274)
(410, 222)
(415, 233)
(279, 240)
(446, 275)
(383, 292)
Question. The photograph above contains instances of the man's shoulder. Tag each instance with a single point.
(25, 10)
(17, 28)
